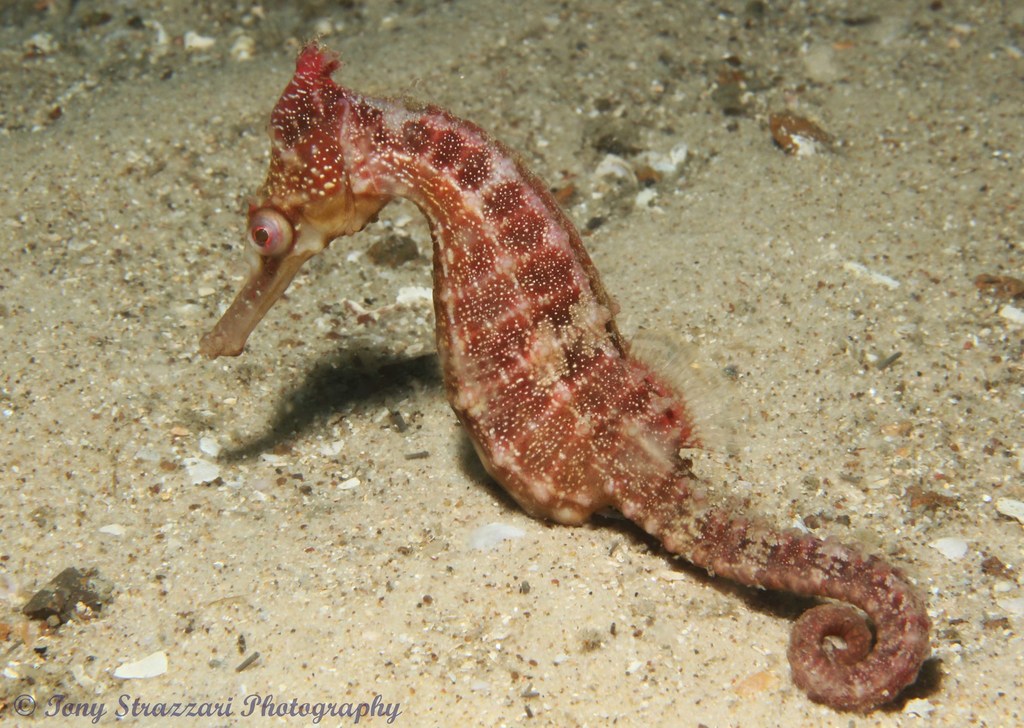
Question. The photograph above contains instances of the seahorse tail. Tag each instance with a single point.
(865, 670)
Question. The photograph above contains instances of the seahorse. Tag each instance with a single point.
(560, 411)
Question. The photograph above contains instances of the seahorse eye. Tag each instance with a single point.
(270, 232)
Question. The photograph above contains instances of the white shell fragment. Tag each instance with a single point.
(201, 471)
(41, 43)
(412, 294)
(149, 666)
(487, 537)
(1013, 606)
(1012, 314)
(667, 163)
(1011, 507)
(679, 154)
(113, 529)
(349, 484)
(332, 449)
(645, 197)
(918, 707)
(862, 270)
(195, 42)
(209, 446)
(950, 547)
(243, 49)
(614, 166)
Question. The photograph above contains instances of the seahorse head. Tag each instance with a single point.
(306, 201)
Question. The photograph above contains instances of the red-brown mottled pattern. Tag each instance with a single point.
(560, 413)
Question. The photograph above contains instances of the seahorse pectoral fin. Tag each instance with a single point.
(269, 278)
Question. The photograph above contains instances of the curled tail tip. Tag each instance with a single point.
(835, 657)
(867, 671)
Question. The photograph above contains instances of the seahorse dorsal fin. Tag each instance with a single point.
(701, 384)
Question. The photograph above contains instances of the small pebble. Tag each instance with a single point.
(41, 44)
(393, 251)
(243, 48)
(248, 662)
(679, 154)
(644, 198)
(8, 587)
(149, 666)
(820, 64)
(323, 27)
(113, 529)
(147, 454)
(613, 166)
(58, 600)
(83, 678)
(209, 446)
(332, 449)
(350, 484)
(195, 42)
(670, 162)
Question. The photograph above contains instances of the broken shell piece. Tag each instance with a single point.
(149, 666)
(201, 471)
(488, 537)
(951, 547)
(1011, 507)
(798, 135)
